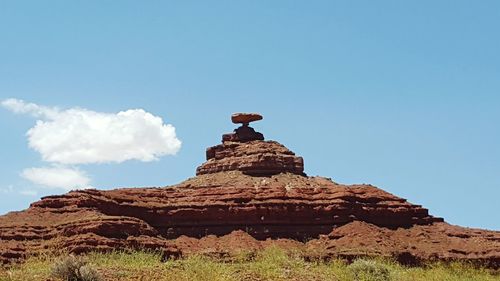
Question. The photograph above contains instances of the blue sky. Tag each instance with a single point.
(404, 95)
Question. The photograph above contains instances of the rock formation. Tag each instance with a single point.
(243, 133)
(258, 158)
(245, 150)
(249, 194)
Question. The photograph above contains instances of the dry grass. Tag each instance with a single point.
(271, 264)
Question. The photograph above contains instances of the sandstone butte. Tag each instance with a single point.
(249, 194)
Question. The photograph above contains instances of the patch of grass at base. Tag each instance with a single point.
(270, 264)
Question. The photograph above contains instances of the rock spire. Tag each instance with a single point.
(244, 133)
(245, 150)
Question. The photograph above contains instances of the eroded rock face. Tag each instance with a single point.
(282, 206)
(259, 158)
(205, 211)
(412, 246)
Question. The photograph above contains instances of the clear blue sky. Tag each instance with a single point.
(404, 95)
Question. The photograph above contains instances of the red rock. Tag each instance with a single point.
(418, 244)
(245, 118)
(262, 158)
(285, 206)
(248, 195)
(243, 134)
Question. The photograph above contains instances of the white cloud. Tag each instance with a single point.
(19, 106)
(28, 192)
(81, 136)
(57, 177)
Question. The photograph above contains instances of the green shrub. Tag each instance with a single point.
(73, 268)
(369, 270)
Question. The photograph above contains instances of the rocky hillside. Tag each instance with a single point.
(250, 193)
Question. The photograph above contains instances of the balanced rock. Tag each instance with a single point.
(245, 150)
(244, 133)
(245, 118)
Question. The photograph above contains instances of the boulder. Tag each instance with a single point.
(245, 118)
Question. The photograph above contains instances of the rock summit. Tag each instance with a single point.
(245, 150)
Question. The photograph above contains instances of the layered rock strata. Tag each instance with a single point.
(258, 158)
(335, 220)
(248, 195)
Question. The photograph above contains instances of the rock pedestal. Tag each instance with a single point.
(244, 133)
(245, 150)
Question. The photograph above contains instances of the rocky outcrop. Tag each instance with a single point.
(411, 246)
(245, 150)
(335, 220)
(281, 206)
(244, 133)
(245, 118)
(248, 195)
(258, 158)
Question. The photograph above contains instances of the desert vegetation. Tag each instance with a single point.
(270, 264)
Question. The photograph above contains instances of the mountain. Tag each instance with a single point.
(249, 194)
